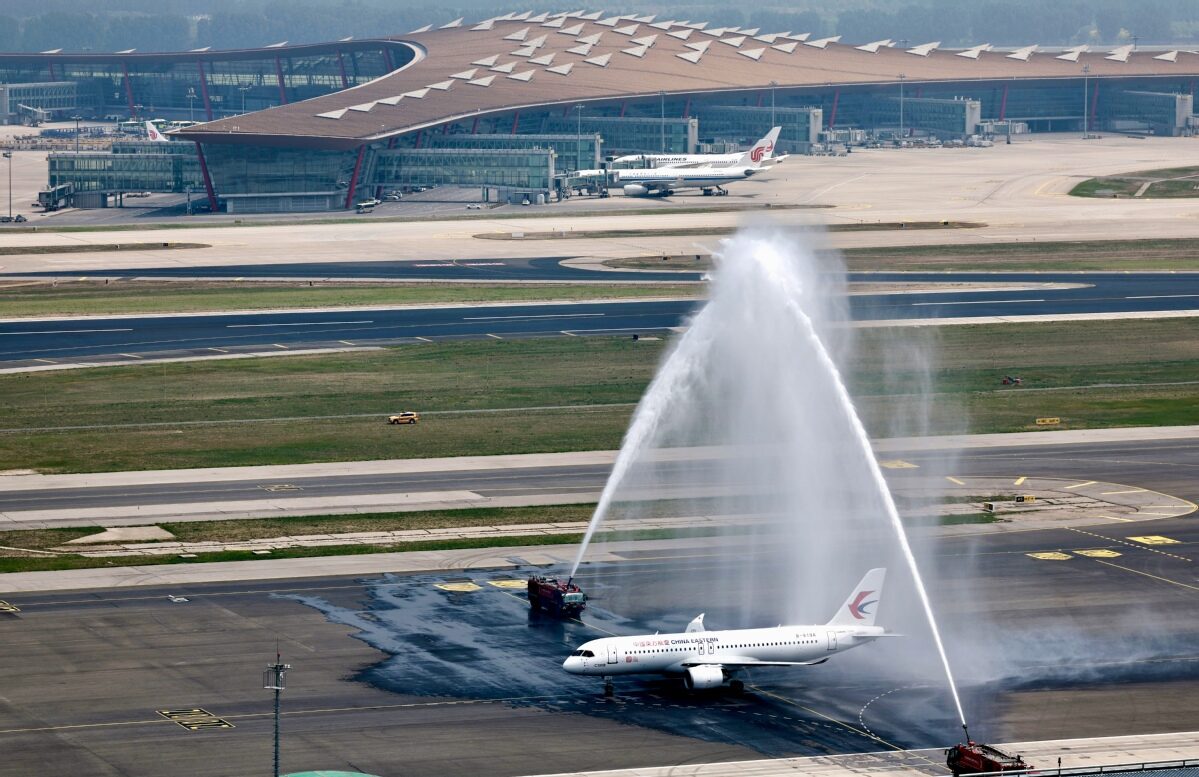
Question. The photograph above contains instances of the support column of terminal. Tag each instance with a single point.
(208, 188)
(204, 89)
(354, 177)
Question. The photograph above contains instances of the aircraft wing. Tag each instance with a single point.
(744, 661)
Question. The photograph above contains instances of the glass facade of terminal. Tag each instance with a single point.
(746, 124)
(529, 169)
(238, 169)
(104, 172)
(630, 134)
(952, 118)
(574, 152)
(21, 102)
(207, 85)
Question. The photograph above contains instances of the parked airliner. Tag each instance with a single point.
(759, 154)
(710, 659)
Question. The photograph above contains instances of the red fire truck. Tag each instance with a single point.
(564, 600)
(974, 758)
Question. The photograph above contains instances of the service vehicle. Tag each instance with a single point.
(975, 758)
(406, 417)
(562, 599)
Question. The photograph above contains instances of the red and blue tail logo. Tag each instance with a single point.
(859, 608)
(756, 154)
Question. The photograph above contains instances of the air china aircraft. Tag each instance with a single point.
(710, 659)
(665, 181)
(759, 154)
(153, 134)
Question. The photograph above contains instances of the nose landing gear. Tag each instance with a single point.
(609, 689)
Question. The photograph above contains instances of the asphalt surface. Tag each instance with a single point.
(392, 675)
(32, 342)
(1169, 466)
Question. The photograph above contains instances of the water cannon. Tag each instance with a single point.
(966, 731)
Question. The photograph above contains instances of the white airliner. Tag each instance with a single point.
(665, 181)
(710, 659)
(154, 134)
(759, 154)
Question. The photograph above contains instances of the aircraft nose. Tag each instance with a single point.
(573, 664)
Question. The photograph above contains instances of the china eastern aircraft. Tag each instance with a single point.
(711, 659)
(759, 154)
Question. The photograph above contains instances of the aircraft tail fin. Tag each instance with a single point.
(862, 605)
(763, 150)
(696, 625)
(154, 134)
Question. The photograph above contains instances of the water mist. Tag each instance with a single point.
(756, 376)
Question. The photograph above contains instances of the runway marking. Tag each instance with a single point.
(977, 302)
(219, 350)
(279, 345)
(497, 337)
(1050, 556)
(1128, 491)
(461, 587)
(955, 480)
(6, 607)
(195, 719)
(1099, 553)
(1142, 546)
(65, 331)
(46, 361)
(1116, 518)
(281, 487)
(1020, 480)
(1164, 296)
(299, 323)
(531, 316)
(1154, 539)
(898, 464)
(1146, 574)
(1080, 485)
(569, 334)
(514, 584)
(131, 355)
(423, 339)
(345, 342)
(841, 723)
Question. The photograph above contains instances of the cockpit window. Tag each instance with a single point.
(587, 654)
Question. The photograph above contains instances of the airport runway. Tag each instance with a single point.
(1168, 466)
(394, 675)
(45, 341)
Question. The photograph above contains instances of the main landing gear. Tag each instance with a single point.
(609, 689)
(716, 190)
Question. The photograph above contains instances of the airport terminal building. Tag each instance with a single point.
(513, 105)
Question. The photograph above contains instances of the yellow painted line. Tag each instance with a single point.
(1020, 480)
(898, 464)
(1050, 556)
(131, 355)
(1146, 574)
(1129, 491)
(277, 345)
(1080, 485)
(513, 584)
(1101, 553)
(1164, 515)
(1155, 539)
(459, 588)
(955, 480)
(1115, 518)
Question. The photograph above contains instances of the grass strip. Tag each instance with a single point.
(1181, 254)
(597, 234)
(564, 394)
(121, 296)
(1167, 183)
(87, 248)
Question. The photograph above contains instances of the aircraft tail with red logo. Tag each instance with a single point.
(762, 151)
(862, 605)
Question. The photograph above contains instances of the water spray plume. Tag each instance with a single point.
(758, 348)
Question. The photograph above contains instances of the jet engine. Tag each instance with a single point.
(635, 190)
(703, 677)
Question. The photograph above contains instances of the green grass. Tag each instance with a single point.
(266, 411)
(1105, 255)
(1165, 183)
(26, 298)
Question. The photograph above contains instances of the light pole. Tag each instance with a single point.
(273, 680)
(662, 116)
(191, 101)
(243, 89)
(137, 110)
(902, 77)
(1086, 71)
(8, 156)
(77, 119)
(773, 84)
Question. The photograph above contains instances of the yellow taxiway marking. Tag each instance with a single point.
(1051, 556)
(1080, 485)
(1126, 542)
(459, 588)
(1100, 553)
(952, 479)
(194, 719)
(1154, 539)
(1115, 518)
(1146, 574)
(514, 584)
(1128, 491)
(898, 464)
(1020, 480)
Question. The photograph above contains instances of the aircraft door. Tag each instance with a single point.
(711, 647)
(612, 659)
(832, 640)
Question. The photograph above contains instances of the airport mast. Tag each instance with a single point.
(273, 680)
